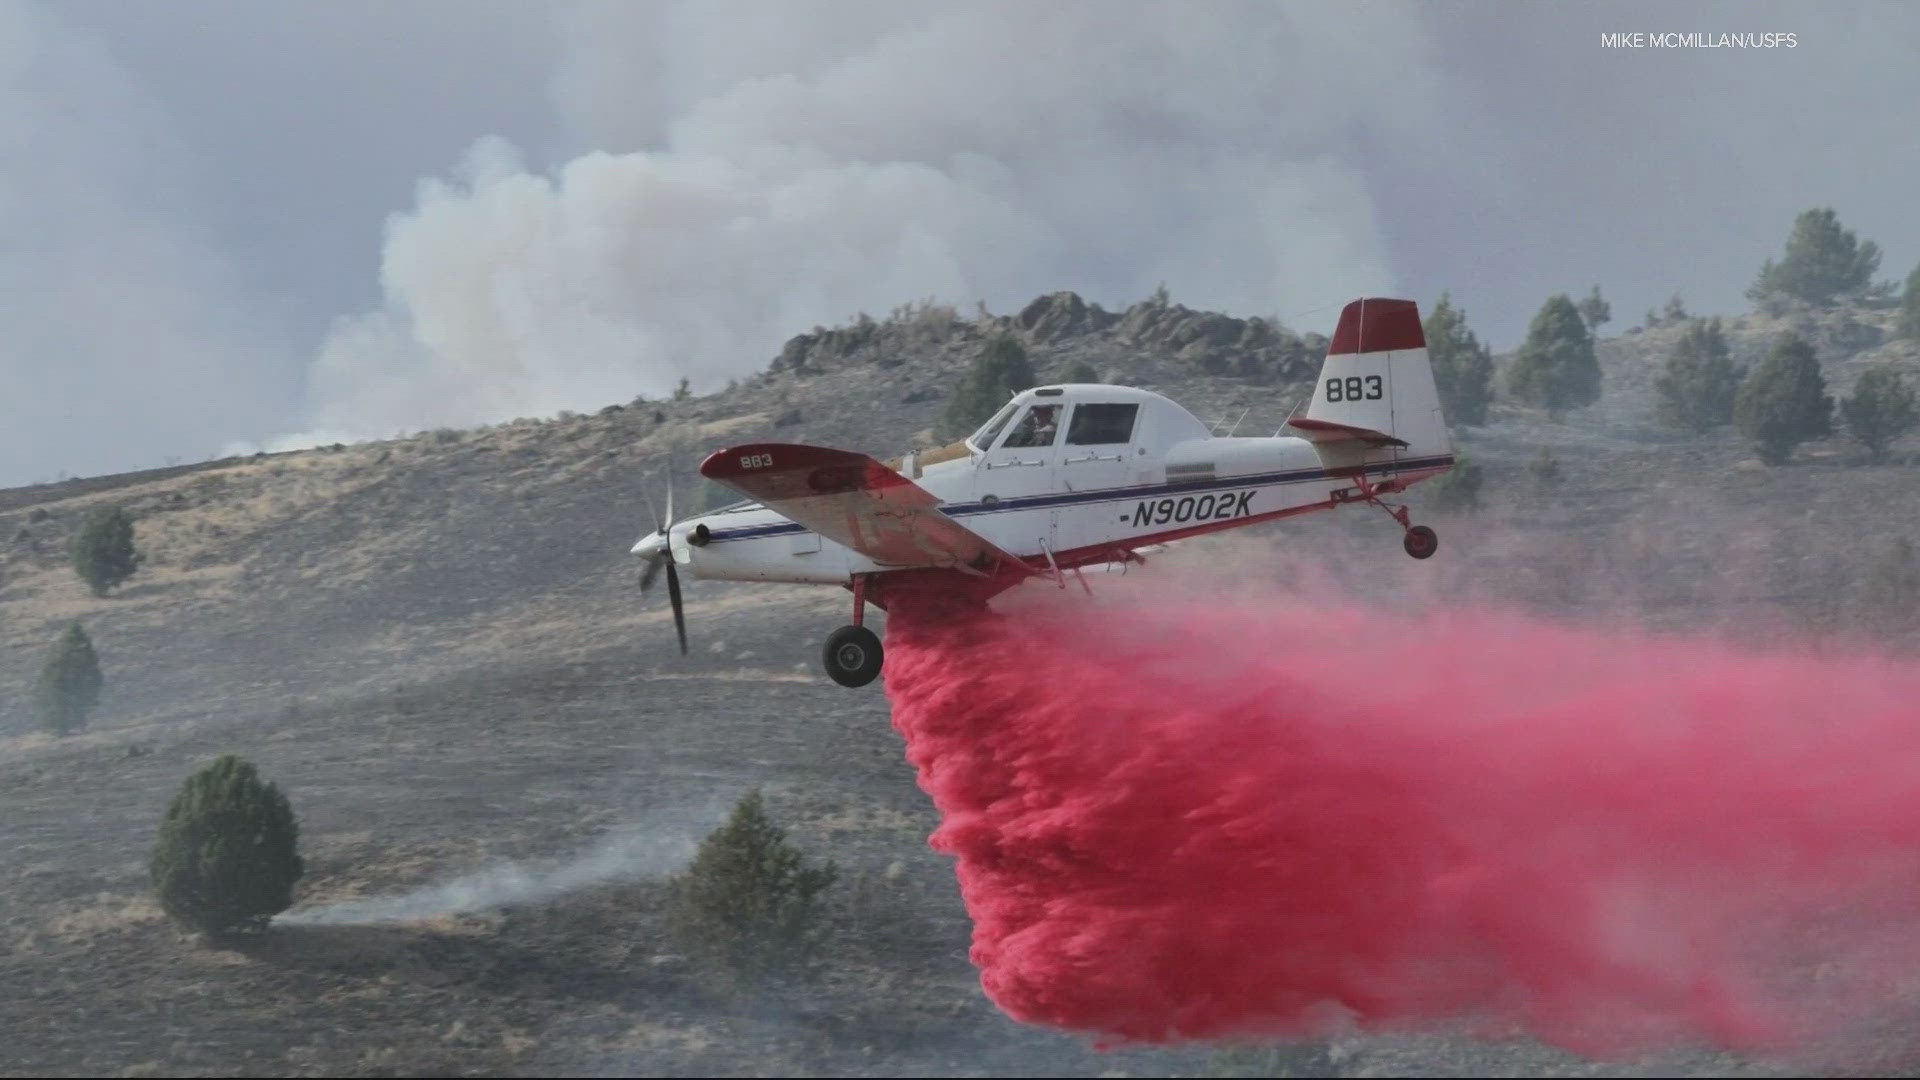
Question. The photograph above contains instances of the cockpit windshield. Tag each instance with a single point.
(989, 431)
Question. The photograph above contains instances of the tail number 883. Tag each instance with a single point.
(1354, 388)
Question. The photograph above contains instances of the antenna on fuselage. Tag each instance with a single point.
(1289, 419)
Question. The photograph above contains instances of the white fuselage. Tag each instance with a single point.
(1074, 502)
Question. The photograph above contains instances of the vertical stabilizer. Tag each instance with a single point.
(1377, 378)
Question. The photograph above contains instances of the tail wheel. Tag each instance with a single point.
(852, 656)
(1421, 542)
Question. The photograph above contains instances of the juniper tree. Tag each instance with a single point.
(1823, 262)
(1546, 467)
(228, 854)
(1462, 367)
(1001, 370)
(103, 551)
(748, 903)
(1595, 310)
(1078, 372)
(1909, 327)
(1784, 402)
(1891, 591)
(1880, 410)
(1698, 386)
(1556, 368)
(69, 684)
(1459, 487)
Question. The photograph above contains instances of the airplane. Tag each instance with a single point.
(1063, 477)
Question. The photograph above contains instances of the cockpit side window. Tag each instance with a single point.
(1101, 424)
(983, 439)
(1037, 428)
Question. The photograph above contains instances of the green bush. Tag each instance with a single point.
(1459, 487)
(1546, 468)
(1823, 263)
(1880, 410)
(1909, 327)
(1001, 371)
(1078, 372)
(1595, 310)
(69, 684)
(228, 854)
(749, 904)
(1697, 389)
(1784, 402)
(1891, 593)
(1462, 367)
(103, 552)
(1556, 368)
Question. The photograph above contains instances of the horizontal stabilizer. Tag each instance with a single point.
(1326, 431)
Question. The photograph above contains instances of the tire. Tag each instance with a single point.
(852, 656)
(1421, 542)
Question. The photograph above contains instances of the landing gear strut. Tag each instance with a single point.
(853, 654)
(1419, 542)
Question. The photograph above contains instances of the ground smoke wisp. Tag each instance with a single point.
(624, 856)
(1187, 820)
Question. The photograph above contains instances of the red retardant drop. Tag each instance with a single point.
(1182, 820)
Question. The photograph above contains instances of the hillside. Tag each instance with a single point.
(435, 645)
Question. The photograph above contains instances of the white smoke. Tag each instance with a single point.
(627, 856)
(754, 170)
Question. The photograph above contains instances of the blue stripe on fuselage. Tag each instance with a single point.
(1120, 494)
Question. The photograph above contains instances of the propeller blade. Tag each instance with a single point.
(673, 597)
(652, 572)
(670, 518)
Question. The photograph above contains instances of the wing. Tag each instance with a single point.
(854, 500)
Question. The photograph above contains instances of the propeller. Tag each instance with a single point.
(657, 549)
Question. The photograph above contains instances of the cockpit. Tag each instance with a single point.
(1090, 415)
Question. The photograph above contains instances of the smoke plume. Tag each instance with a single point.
(625, 856)
(1183, 818)
(758, 174)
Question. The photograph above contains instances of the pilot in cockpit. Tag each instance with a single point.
(1037, 428)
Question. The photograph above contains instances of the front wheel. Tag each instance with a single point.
(852, 656)
(1421, 542)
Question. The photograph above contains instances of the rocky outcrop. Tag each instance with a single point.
(1059, 315)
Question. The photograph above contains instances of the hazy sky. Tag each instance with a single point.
(228, 222)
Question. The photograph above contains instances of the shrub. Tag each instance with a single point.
(1698, 387)
(1880, 410)
(748, 903)
(1001, 370)
(103, 552)
(1909, 327)
(1078, 372)
(1784, 402)
(1459, 487)
(228, 852)
(1595, 310)
(1823, 262)
(1462, 367)
(69, 683)
(1546, 467)
(1556, 369)
(1891, 591)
